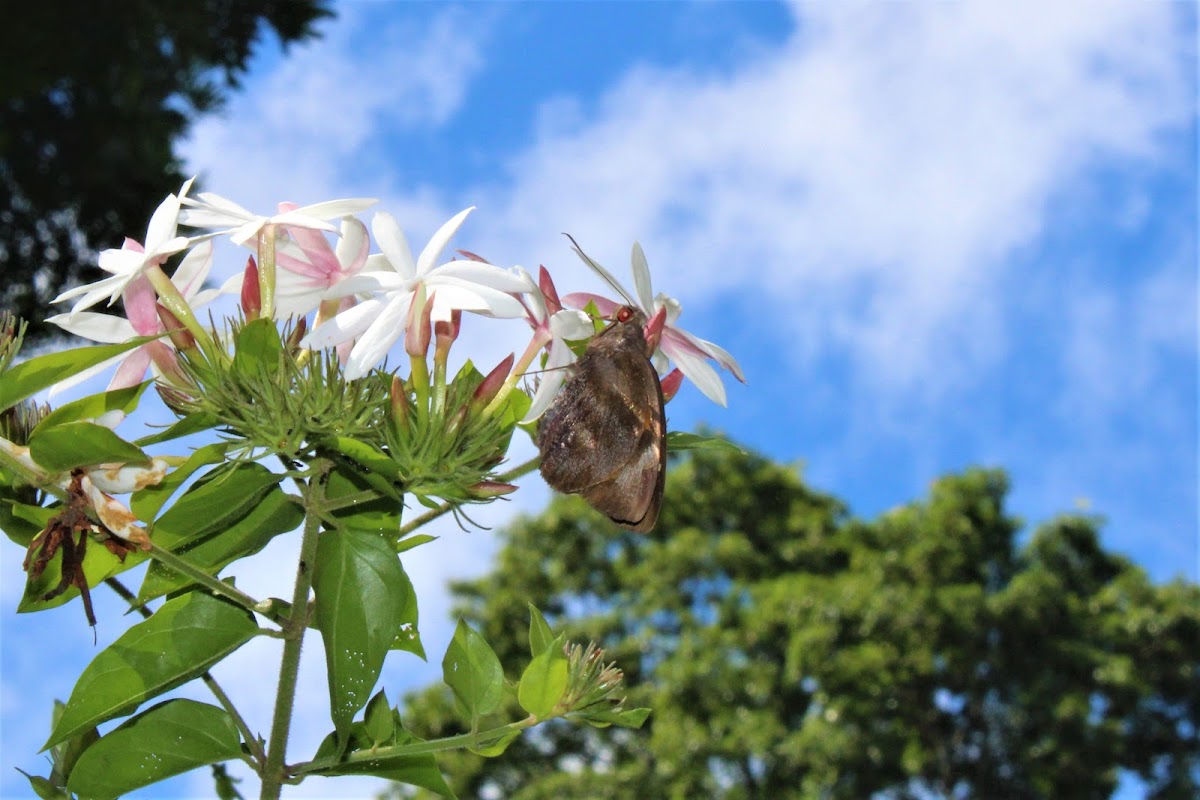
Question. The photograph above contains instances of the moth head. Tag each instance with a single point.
(651, 329)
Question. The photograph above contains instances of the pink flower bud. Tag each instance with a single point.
(419, 331)
(180, 336)
(251, 292)
(485, 489)
(549, 293)
(487, 390)
(399, 397)
(671, 384)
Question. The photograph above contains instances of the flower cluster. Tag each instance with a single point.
(362, 303)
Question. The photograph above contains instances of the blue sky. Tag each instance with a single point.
(935, 235)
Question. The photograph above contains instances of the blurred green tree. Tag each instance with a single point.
(790, 650)
(93, 98)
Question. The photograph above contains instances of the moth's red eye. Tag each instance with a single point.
(624, 313)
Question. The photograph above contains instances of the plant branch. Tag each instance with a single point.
(273, 775)
(177, 564)
(504, 477)
(475, 740)
(248, 736)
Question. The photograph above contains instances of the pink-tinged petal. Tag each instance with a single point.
(437, 243)
(164, 362)
(132, 370)
(373, 347)
(641, 278)
(391, 240)
(719, 354)
(298, 219)
(700, 373)
(676, 341)
(104, 328)
(140, 298)
(345, 326)
(605, 306)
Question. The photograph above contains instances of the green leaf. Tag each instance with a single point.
(30, 377)
(378, 470)
(274, 514)
(472, 670)
(21, 522)
(359, 587)
(146, 503)
(418, 769)
(677, 441)
(258, 348)
(631, 718)
(497, 747)
(44, 788)
(183, 639)
(378, 722)
(540, 635)
(409, 542)
(544, 680)
(192, 423)
(64, 754)
(81, 444)
(214, 502)
(371, 510)
(224, 784)
(168, 739)
(408, 636)
(92, 406)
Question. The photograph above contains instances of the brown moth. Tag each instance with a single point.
(605, 436)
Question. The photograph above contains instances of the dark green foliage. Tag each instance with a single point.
(93, 97)
(790, 650)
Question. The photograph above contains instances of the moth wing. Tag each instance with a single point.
(597, 445)
(589, 423)
(632, 497)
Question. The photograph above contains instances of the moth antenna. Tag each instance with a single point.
(608, 277)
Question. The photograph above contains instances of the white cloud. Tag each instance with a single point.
(874, 174)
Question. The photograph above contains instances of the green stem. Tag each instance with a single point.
(248, 736)
(177, 564)
(273, 775)
(476, 740)
(432, 514)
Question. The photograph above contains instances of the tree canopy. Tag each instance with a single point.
(789, 649)
(93, 98)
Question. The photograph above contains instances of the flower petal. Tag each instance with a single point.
(605, 306)
(437, 243)
(700, 373)
(344, 326)
(373, 347)
(641, 278)
(485, 275)
(392, 241)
